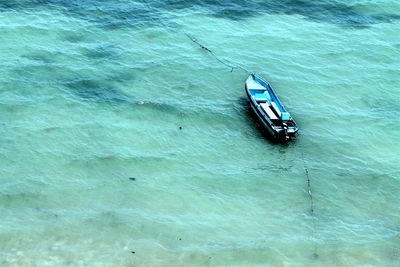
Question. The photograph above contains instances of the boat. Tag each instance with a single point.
(269, 110)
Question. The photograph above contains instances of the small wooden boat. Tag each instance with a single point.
(269, 110)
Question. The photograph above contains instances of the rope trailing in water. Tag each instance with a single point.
(224, 62)
(309, 189)
(308, 184)
(315, 254)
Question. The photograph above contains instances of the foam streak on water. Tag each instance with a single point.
(93, 93)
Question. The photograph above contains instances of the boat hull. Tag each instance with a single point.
(276, 133)
(266, 124)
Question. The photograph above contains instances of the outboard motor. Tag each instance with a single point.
(285, 116)
(285, 132)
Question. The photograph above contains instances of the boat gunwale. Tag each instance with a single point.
(273, 91)
(266, 121)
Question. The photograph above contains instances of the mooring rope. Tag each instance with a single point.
(224, 62)
(308, 183)
(309, 189)
(313, 217)
(233, 67)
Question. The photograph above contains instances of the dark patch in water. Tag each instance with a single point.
(21, 199)
(242, 101)
(125, 75)
(51, 129)
(114, 14)
(241, 105)
(108, 157)
(319, 11)
(43, 68)
(107, 14)
(101, 52)
(43, 57)
(30, 73)
(72, 37)
(94, 90)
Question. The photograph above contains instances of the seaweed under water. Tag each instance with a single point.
(112, 14)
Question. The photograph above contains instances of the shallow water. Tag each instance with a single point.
(93, 93)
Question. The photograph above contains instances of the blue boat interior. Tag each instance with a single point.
(268, 90)
(267, 98)
(268, 108)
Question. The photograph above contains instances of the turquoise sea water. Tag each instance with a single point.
(92, 93)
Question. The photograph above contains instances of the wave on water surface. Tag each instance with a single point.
(112, 14)
(124, 144)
